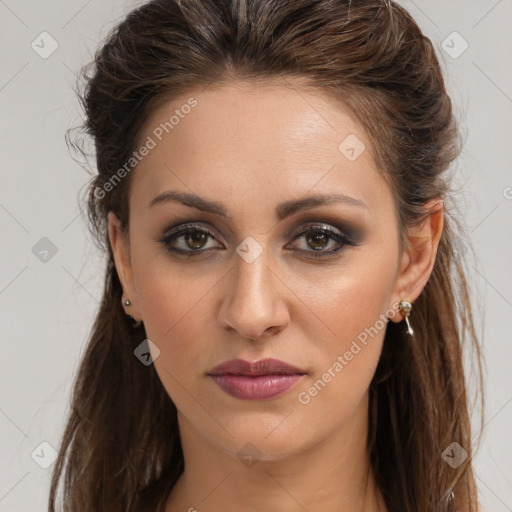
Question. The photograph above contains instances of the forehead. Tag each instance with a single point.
(282, 117)
(273, 140)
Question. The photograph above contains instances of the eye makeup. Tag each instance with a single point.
(192, 239)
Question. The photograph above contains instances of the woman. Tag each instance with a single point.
(284, 307)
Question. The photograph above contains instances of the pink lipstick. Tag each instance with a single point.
(258, 380)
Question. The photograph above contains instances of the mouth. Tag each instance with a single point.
(258, 380)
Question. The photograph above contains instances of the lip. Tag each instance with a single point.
(257, 380)
(259, 387)
(267, 366)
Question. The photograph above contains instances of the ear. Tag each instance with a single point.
(120, 245)
(419, 256)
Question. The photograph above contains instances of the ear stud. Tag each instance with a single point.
(134, 322)
(405, 309)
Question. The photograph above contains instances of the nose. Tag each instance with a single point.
(254, 302)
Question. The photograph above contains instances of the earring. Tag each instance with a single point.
(405, 310)
(134, 322)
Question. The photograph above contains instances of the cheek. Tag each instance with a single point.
(173, 300)
(172, 319)
(172, 308)
(349, 299)
(344, 366)
(351, 307)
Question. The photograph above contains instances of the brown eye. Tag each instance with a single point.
(187, 240)
(318, 238)
(196, 239)
(317, 241)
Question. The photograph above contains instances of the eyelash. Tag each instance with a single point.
(185, 229)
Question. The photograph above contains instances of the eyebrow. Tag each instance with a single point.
(282, 210)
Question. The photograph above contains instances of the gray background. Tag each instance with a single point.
(48, 302)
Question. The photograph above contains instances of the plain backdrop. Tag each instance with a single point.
(50, 272)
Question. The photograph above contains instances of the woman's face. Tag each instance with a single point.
(242, 281)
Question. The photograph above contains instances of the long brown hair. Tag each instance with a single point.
(121, 447)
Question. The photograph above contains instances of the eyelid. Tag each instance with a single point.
(350, 229)
(294, 232)
(183, 226)
(321, 226)
(183, 229)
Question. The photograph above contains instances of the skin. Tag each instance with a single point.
(252, 147)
